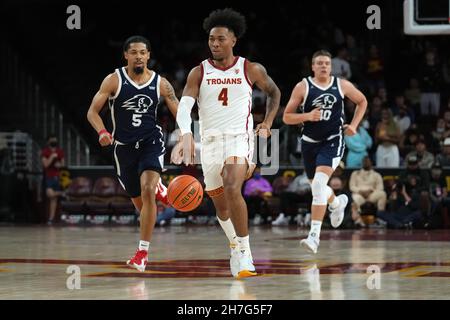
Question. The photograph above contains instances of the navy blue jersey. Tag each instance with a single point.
(331, 102)
(134, 109)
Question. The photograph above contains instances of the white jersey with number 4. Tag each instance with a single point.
(225, 99)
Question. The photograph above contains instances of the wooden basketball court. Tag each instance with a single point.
(40, 262)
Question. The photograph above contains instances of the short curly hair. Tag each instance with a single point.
(227, 18)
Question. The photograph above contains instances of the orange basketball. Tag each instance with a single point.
(185, 193)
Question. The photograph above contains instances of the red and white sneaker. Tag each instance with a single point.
(139, 261)
(161, 193)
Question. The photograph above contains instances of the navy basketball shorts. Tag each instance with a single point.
(325, 153)
(130, 160)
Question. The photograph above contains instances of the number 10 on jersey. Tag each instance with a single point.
(325, 114)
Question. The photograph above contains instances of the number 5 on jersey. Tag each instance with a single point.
(223, 96)
(137, 121)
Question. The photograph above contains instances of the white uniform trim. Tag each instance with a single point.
(121, 183)
(158, 84)
(161, 161)
(308, 139)
(161, 138)
(306, 92)
(119, 87)
(320, 87)
(339, 88)
(340, 145)
(112, 100)
(134, 83)
(117, 161)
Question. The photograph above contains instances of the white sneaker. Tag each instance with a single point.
(234, 259)
(281, 220)
(246, 267)
(311, 244)
(337, 215)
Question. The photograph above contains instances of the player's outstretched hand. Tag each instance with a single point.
(349, 130)
(105, 138)
(263, 130)
(176, 156)
(188, 146)
(314, 115)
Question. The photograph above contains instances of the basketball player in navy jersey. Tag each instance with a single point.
(222, 86)
(134, 93)
(321, 100)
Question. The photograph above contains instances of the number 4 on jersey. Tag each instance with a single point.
(223, 96)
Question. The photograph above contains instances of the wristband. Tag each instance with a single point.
(104, 131)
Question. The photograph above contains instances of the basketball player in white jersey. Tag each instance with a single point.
(321, 102)
(223, 89)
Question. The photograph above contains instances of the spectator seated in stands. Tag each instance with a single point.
(416, 182)
(403, 209)
(412, 94)
(412, 169)
(443, 158)
(164, 213)
(403, 119)
(367, 185)
(387, 137)
(298, 192)
(281, 183)
(440, 200)
(409, 139)
(440, 133)
(256, 192)
(357, 146)
(339, 172)
(424, 158)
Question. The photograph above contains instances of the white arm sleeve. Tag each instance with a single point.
(184, 114)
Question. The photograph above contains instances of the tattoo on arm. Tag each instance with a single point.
(273, 99)
(170, 92)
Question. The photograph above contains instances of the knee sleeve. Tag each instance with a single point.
(320, 191)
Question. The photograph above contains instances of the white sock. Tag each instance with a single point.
(144, 245)
(228, 228)
(315, 229)
(334, 204)
(244, 244)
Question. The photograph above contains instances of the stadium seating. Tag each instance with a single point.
(77, 194)
(103, 193)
